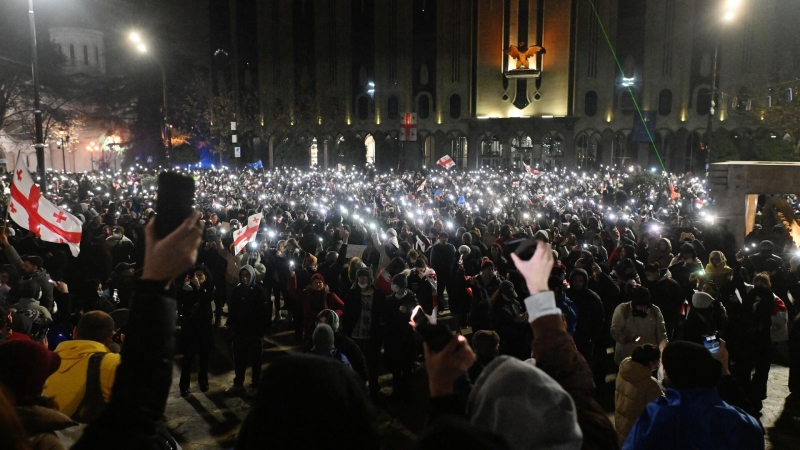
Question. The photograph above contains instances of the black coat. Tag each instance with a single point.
(352, 313)
(249, 311)
(196, 316)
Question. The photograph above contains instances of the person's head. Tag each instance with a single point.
(25, 366)
(464, 251)
(330, 257)
(522, 404)
(31, 264)
(247, 275)
(766, 247)
(466, 238)
(578, 279)
(364, 279)
(688, 365)
(664, 245)
(320, 400)
(717, 259)
(330, 318)
(323, 338)
(652, 272)
(30, 289)
(420, 267)
(507, 290)
(202, 274)
(688, 253)
(444, 237)
(125, 270)
(555, 284)
(95, 326)
(647, 355)
(640, 301)
(487, 345)
(762, 280)
(487, 268)
(317, 282)
(496, 251)
(399, 284)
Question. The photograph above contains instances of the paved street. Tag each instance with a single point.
(211, 420)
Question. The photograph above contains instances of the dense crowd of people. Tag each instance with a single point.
(635, 265)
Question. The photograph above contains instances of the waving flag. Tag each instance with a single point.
(446, 161)
(245, 235)
(531, 170)
(31, 211)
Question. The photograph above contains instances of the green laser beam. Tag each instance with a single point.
(630, 91)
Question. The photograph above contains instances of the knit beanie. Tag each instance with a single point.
(702, 300)
(323, 338)
(318, 276)
(25, 366)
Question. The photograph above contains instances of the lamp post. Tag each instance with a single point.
(728, 13)
(141, 47)
(37, 112)
(92, 147)
(113, 145)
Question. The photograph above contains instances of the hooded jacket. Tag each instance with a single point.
(41, 276)
(694, 418)
(636, 387)
(705, 316)
(591, 325)
(249, 309)
(67, 385)
(663, 258)
(624, 323)
(314, 302)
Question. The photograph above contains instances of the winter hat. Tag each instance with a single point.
(391, 232)
(640, 296)
(318, 276)
(525, 406)
(323, 338)
(464, 249)
(25, 366)
(507, 288)
(364, 272)
(702, 300)
(487, 263)
(401, 280)
(690, 366)
(330, 318)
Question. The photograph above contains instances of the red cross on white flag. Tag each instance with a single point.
(408, 127)
(47, 221)
(245, 235)
(531, 170)
(446, 161)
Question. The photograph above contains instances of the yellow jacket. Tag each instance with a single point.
(67, 385)
(636, 387)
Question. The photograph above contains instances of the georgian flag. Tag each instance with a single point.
(531, 170)
(245, 235)
(31, 211)
(446, 161)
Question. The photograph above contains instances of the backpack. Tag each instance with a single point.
(92, 404)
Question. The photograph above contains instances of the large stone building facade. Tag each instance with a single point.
(575, 106)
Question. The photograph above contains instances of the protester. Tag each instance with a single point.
(636, 323)
(195, 299)
(636, 387)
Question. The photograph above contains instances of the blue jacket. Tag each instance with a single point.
(694, 419)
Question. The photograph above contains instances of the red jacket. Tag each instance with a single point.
(314, 302)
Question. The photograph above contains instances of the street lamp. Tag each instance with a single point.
(140, 46)
(93, 147)
(113, 144)
(728, 12)
(37, 110)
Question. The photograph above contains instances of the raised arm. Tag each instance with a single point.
(144, 376)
